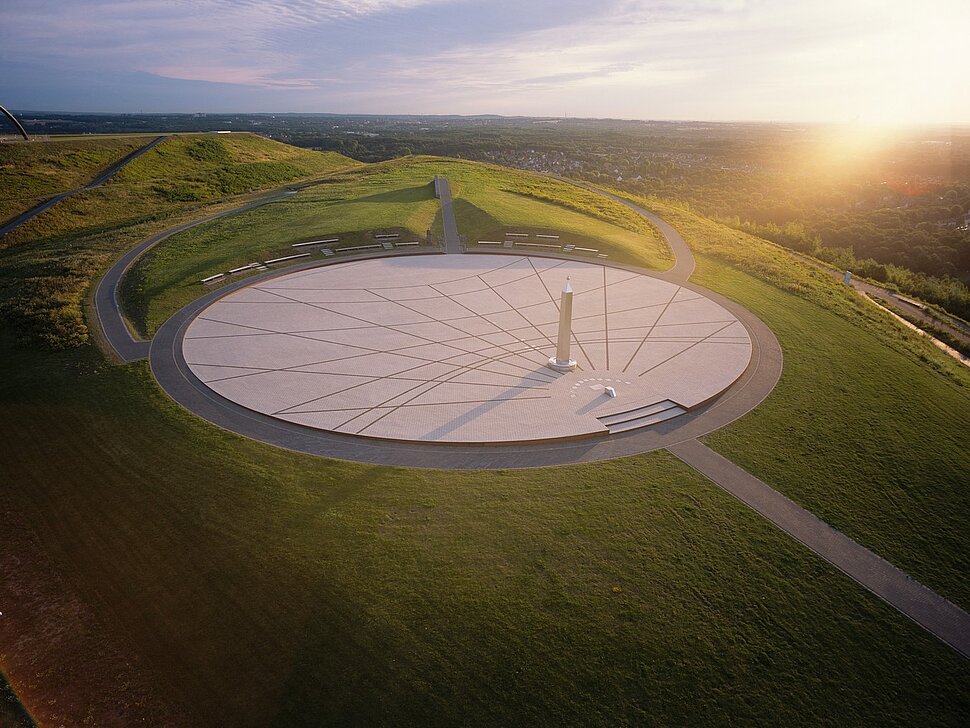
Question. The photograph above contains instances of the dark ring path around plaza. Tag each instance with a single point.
(933, 612)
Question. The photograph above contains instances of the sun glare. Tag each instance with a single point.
(911, 72)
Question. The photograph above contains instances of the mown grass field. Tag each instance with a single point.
(31, 173)
(190, 576)
(494, 201)
(261, 587)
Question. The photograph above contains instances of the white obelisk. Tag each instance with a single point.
(561, 361)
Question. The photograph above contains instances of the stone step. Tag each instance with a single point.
(633, 414)
(647, 420)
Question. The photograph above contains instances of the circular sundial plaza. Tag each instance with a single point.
(456, 349)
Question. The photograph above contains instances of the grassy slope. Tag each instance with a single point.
(261, 586)
(180, 173)
(867, 428)
(30, 173)
(47, 263)
(168, 277)
(195, 168)
(395, 194)
(494, 199)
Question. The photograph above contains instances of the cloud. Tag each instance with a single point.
(638, 58)
(225, 41)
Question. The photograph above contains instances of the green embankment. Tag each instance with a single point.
(47, 263)
(189, 169)
(392, 195)
(180, 173)
(168, 276)
(494, 200)
(338, 592)
(31, 173)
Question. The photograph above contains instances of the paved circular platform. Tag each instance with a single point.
(452, 349)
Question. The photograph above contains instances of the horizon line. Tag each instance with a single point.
(829, 122)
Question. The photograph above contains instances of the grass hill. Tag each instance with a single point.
(31, 173)
(158, 569)
(192, 168)
(47, 263)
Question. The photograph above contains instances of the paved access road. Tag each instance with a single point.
(955, 328)
(97, 182)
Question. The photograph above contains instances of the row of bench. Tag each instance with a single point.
(327, 252)
(253, 266)
(525, 235)
(568, 248)
(328, 241)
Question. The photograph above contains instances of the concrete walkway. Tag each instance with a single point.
(452, 240)
(928, 609)
(97, 182)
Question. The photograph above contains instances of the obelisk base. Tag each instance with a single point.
(561, 366)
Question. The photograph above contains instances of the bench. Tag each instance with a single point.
(357, 247)
(410, 242)
(516, 235)
(538, 245)
(316, 242)
(287, 257)
(388, 235)
(242, 268)
(489, 242)
(548, 237)
(216, 277)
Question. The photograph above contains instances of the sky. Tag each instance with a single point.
(869, 61)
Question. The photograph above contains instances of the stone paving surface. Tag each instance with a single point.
(453, 348)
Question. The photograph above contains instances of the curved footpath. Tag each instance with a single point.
(934, 613)
(97, 182)
(106, 302)
(683, 267)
